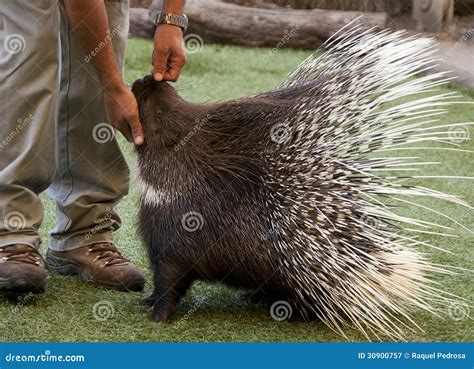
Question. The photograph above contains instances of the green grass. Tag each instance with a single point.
(65, 311)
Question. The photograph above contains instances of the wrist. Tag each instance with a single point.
(169, 27)
(113, 86)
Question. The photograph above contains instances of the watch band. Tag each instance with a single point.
(175, 20)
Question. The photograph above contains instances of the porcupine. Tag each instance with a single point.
(271, 193)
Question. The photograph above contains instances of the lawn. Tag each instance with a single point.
(66, 311)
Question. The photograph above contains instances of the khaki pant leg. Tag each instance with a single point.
(29, 85)
(92, 174)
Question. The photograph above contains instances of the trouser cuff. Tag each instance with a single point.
(32, 239)
(68, 243)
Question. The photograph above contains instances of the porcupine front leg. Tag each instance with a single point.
(171, 283)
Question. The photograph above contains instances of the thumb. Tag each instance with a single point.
(160, 64)
(136, 128)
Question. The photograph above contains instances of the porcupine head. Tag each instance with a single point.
(287, 192)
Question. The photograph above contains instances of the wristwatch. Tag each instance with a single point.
(175, 20)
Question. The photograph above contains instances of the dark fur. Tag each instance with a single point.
(218, 173)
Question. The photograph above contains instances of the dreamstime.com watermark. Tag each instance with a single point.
(110, 35)
(199, 123)
(465, 37)
(280, 133)
(192, 221)
(287, 35)
(281, 310)
(14, 221)
(200, 301)
(100, 224)
(103, 310)
(21, 301)
(103, 132)
(371, 221)
(46, 357)
(22, 123)
(193, 43)
(14, 44)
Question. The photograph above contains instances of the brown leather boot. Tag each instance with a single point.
(21, 269)
(101, 264)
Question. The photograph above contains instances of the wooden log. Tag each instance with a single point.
(433, 16)
(219, 22)
(140, 3)
(141, 25)
(358, 5)
(392, 7)
(397, 7)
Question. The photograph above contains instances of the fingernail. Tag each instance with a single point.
(138, 140)
(158, 77)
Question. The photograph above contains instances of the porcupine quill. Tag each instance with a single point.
(291, 191)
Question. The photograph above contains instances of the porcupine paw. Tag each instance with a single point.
(158, 317)
(162, 311)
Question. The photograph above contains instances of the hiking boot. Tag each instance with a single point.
(21, 269)
(100, 263)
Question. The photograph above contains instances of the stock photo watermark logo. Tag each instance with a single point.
(110, 35)
(281, 310)
(459, 134)
(103, 310)
(21, 124)
(47, 357)
(192, 221)
(103, 132)
(272, 234)
(199, 123)
(100, 223)
(287, 35)
(280, 133)
(370, 221)
(21, 301)
(14, 44)
(193, 43)
(465, 37)
(200, 302)
(459, 311)
(14, 221)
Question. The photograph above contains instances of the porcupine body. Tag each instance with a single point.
(272, 193)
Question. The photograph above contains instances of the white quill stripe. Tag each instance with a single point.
(152, 196)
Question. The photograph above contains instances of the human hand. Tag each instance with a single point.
(122, 111)
(168, 56)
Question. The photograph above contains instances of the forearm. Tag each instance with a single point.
(169, 55)
(173, 6)
(88, 19)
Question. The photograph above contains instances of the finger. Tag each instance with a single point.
(174, 69)
(171, 75)
(125, 130)
(136, 128)
(160, 64)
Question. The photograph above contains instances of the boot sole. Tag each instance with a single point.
(69, 268)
